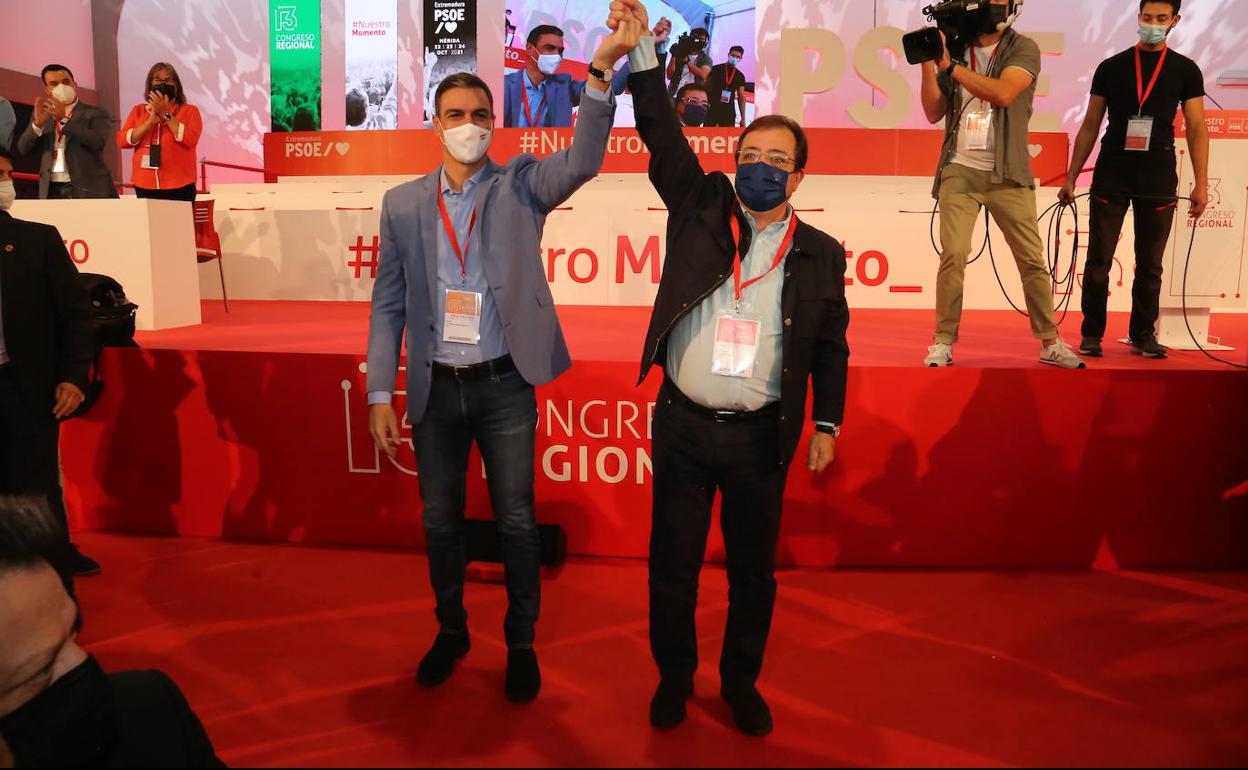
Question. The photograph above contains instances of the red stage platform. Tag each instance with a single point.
(306, 657)
(254, 426)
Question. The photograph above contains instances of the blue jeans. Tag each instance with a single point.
(500, 415)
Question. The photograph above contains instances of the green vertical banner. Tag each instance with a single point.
(295, 64)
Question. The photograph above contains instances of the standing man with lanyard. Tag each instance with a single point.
(538, 95)
(461, 273)
(726, 86)
(986, 104)
(71, 135)
(1141, 88)
(750, 311)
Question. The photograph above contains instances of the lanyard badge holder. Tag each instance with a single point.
(1140, 126)
(461, 321)
(978, 124)
(725, 95)
(737, 335)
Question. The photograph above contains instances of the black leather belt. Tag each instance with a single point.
(673, 395)
(486, 370)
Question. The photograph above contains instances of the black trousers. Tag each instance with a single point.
(186, 193)
(1148, 186)
(694, 455)
(29, 454)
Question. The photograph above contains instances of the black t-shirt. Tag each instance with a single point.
(1115, 80)
(717, 82)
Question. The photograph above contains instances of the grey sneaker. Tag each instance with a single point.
(1091, 346)
(1060, 354)
(1148, 346)
(939, 355)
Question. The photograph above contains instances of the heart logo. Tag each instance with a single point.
(342, 148)
(1035, 149)
(451, 26)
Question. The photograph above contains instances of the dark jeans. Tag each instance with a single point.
(693, 457)
(60, 191)
(500, 415)
(29, 455)
(186, 193)
(1148, 186)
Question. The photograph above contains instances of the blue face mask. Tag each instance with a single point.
(761, 187)
(694, 114)
(1150, 35)
(734, 60)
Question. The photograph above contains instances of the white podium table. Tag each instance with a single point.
(148, 246)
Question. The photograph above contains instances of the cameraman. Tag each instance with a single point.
(985, 98)
(680, 70)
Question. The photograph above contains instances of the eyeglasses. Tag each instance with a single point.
(694, 102)
(164, 82)
(777, 159)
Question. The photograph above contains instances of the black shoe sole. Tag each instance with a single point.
(88, 572)
(1091, 353)
(523, 697)
(428, 681)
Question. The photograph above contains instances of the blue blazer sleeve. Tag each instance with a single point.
(552, 180)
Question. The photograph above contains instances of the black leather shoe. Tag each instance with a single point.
(667, 707)
(439, 663)
(524, 678)
(80, 565)
(749, 710)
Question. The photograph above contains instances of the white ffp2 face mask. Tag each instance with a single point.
(548, 63)
(64, 93)
(467, 143)
(7, 195)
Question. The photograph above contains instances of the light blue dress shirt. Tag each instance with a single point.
(536, 103)
(691, 344)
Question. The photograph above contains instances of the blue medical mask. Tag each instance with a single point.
(761, 187)
(1150, 35)
(694, 114)
(548, 63)
(734, 60)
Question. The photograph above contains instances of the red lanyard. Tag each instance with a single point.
(730, 74)
(739, 287)
(1139, 77)
(460, 254)
(524, 96)
(991, 59)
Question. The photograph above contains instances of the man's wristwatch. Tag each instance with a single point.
(603, 75)
(949, 69)
(167, 116)
(832, 430)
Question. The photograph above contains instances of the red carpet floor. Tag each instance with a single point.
(990, 338)
(304, 656)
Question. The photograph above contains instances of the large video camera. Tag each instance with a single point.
(962, 21)
(687, 45)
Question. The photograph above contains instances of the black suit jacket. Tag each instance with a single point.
(87, 133)
(47, 328)
(156, 727)
(699, 259)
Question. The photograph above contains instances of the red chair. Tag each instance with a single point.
(208, 243)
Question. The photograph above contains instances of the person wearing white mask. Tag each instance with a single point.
(538, 95)
(1141, 88)
(461, 281)
(71, 136)
(46, 345)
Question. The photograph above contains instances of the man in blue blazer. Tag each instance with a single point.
(461, 275)
(540, 97)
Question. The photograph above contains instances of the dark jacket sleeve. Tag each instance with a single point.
(75, 338)
(90, 128)
(830, 368)
(674, 168)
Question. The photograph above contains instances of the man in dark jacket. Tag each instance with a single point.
(71, 136)
(751, 307)
(57, 706)
(46, 343)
